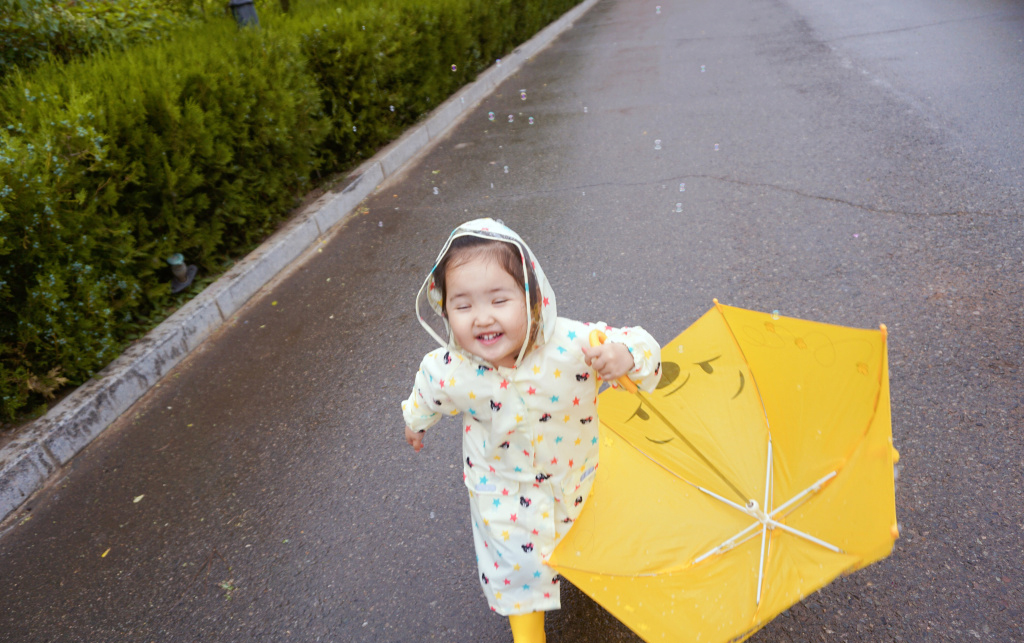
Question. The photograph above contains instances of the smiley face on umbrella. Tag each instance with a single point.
(674, 376)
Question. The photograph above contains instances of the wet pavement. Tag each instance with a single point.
(854, 163)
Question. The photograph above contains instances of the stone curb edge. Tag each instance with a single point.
(40, 449)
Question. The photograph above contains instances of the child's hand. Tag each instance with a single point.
(611, 360)
(414, 439)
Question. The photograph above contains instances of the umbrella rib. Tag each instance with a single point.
(764, 525)
(745, 534)
(805, 536)
(814, 488)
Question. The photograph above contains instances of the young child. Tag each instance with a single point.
(526, 381)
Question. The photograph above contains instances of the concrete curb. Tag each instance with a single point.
(44, 446)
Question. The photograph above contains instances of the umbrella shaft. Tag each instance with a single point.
(743, 497)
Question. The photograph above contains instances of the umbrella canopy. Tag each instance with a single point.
(759, 470)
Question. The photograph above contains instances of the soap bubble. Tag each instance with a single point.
(679, 207)
(522, 94)
(682, 187)
(511, 118)
(499, 62)
(392, 108)
(584, 109)
(490, 116)
(680, 348)
(353, 128)
(657, 9)
(454, 67)
(436, 191)
(657, 144)
(716, 147)
(531, 120)
(506, 169)
(775, 315)
(380, 224)
(702, 69)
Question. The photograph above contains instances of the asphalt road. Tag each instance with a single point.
(855, 163)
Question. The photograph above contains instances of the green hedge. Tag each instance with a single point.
(200, 144)
(34, 31)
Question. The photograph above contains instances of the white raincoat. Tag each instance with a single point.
(529, 434)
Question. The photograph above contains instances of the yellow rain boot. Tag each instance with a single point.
(527, 628)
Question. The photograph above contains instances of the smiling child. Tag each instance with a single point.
(526, 382)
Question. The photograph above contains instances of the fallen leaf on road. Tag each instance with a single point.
(138, 498)
(104, 554)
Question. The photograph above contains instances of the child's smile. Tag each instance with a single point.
(486, 309)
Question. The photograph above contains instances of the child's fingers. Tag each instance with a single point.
(587, 356)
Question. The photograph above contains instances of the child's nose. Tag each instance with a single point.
(485, 315)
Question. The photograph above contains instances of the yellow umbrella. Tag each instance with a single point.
(759, 470)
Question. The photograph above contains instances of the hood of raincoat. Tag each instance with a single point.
(491, 229)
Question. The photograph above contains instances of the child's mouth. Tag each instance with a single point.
(489, 338)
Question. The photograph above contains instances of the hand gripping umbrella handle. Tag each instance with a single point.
(596, 339)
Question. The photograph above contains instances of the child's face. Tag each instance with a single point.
(486, 310)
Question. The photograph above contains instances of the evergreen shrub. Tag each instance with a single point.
(33, 31)
(200, 144)
(109, 166)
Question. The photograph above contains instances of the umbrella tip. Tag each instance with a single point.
(884, 329)
(715, 299)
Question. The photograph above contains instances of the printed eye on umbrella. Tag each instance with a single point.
(758, 471)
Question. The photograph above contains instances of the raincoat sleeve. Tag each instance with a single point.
(646, 354)
(428, 402)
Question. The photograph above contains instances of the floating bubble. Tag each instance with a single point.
(680, 349)
(531, 120)
(522, 94)
(380, 224)
(392, 108)
(775, 315)
(716, 147)
(490, 116)
(499, 62)
(492, 186)
(584, 109)
(436, 191)
(702, 69)
(454, 67)
(682, 187)
(679, 207)
(506, 169)
(511, 118)
(657, 144)
(353, 128)
(657, 9)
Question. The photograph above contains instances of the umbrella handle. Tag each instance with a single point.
(596, 339)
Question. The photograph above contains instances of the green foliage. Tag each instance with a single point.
(109, 166)
(200, 144)
(33, 31)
